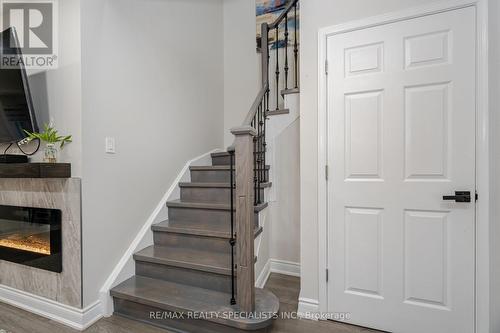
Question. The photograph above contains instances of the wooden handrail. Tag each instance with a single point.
(255, 106)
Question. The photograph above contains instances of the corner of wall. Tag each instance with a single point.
(308, 308)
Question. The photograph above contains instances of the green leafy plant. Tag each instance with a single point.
(49, 135)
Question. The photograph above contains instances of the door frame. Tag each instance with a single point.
(482, 253)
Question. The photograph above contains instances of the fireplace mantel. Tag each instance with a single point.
(35, 170)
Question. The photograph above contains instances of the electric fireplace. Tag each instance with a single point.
(31, 236)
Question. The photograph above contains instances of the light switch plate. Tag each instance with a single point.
(110, 147)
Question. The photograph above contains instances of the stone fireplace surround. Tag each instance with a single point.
(64, 288)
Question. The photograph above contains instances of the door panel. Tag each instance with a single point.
(363, 243)
(426, 131)
(363, 139)
(401, 134)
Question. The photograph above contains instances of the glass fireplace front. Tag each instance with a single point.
(31, 236)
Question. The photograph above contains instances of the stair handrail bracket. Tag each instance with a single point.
(250, 146)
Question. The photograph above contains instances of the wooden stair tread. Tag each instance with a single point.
(177, 297)
(215, 206)
(219, 154)
(197, 228)
(216, 185)
(277, 112)
(214, 262)
(290, 91)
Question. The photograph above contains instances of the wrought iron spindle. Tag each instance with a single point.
(268, 92)
(296, 48)
(286, 52)
(258, 152)
(263, 159)
(255, 171)
(277, 44)
(267, 95)
(232, 240)
(264, 147)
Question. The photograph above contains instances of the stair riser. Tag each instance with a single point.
(221, 160)
(209, 244)
(215, 176)
(143, 313)
(205, 216)
(212, 176)
(208, 194)
(191, 277)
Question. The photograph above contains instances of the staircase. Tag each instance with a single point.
(198, 276)
(188, 269)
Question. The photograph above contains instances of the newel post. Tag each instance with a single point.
(245, 294)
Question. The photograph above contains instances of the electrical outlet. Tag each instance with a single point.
(110, 147)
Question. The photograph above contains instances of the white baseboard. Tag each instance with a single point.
(76, 318)
(285, 267)
(277, 266)
(307, 308)
(121, 272)
(261, 280)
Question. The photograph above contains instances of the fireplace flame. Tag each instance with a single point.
(31, 243)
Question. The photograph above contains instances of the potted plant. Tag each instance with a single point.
(51, 138)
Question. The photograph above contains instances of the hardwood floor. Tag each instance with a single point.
(13, 320)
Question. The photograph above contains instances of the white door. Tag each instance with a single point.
(401, 135)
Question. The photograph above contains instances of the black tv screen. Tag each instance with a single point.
(16, 106)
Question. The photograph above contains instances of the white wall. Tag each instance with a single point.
(241, 63)
(152, 75)
(57, 93)
(285, 210)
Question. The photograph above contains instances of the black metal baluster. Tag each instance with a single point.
(263, 151)
(268, 91)
(277, 44)
(232, 240)
(286, 51)
(264, 145)
(258, 153)
(296, 49)
(255, 167)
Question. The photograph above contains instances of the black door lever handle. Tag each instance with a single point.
(460, 196)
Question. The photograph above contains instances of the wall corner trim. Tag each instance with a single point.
(308, 308)
(76, 318)
(261, 280)
(277, 266)
(113, 279)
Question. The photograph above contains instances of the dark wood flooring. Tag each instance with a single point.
(13, 320)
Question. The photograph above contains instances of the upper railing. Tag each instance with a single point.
(273, 92)
(248, 153)
(267, 44)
